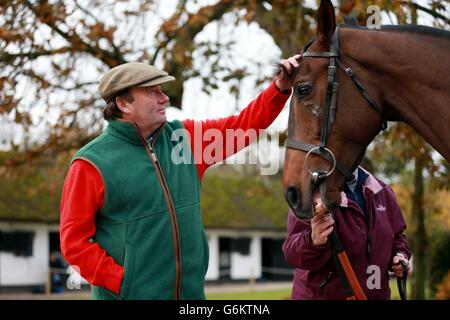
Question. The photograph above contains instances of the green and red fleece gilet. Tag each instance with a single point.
(130, 217)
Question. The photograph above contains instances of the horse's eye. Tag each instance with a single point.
(304, 89)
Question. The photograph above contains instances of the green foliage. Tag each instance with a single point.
(439, 258)
(422, 192)
(243, 202)
(233, 201)
(33, 193)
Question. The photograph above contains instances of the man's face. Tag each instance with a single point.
(148, 109)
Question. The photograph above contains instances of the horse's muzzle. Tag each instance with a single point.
(293, 198)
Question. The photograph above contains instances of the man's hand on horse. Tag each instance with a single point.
(321, 224)
(397, 266)
(284, 79)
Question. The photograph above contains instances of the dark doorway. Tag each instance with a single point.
(57, 264)
(55, 244)
(224, 258)
(275, 266)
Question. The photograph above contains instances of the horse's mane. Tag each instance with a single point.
(412, 28)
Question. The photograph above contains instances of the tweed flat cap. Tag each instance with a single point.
(132, 74)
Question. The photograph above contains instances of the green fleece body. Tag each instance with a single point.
(137, 225)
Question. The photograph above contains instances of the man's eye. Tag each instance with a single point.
(304, 89)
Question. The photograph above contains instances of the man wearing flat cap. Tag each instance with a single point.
(130, 214)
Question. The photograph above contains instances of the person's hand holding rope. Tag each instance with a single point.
(397, 265)
(321, 224)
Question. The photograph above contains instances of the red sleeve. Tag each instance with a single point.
(82, 196)
(298, 248)
(214, 140)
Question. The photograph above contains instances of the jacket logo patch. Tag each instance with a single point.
(380, 208)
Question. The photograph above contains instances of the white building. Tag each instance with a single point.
(245, 231)
(25, 253)
(233, 255)
(246, 254)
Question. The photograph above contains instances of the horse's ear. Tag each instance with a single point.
(326, 21)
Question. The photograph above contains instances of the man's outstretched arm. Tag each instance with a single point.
(238, 131)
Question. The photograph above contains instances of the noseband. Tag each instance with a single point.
(329, 109)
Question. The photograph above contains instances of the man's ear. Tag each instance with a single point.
(121, 104)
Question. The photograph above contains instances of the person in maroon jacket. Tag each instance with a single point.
(370, 225)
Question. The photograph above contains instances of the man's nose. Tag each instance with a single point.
(163, 98)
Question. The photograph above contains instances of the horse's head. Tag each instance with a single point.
(351, 126)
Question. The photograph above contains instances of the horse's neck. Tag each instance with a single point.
(410, 73)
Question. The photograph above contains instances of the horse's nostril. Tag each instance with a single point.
(293, 197)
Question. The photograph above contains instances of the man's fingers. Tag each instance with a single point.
(319, 207)
(324, 218)
(326, 233)
(320, 211)
(290, 63)
(318, 203)
(287, 66)
(398, 271)
(398, 274)
(397, 268)
(320, 218)
(326, 224)
(293, 62)
(396, 260)
(323, 224)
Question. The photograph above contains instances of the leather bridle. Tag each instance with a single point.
(329, 110)
(352, 288)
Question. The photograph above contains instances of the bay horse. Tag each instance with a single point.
(350, 82)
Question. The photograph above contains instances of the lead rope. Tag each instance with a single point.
(351, 285)
(401, 281)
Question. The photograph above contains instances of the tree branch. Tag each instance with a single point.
(75, 87)
(286, 23)
(427, 10)
(9, 58)
(183, 37)
(112, 59)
